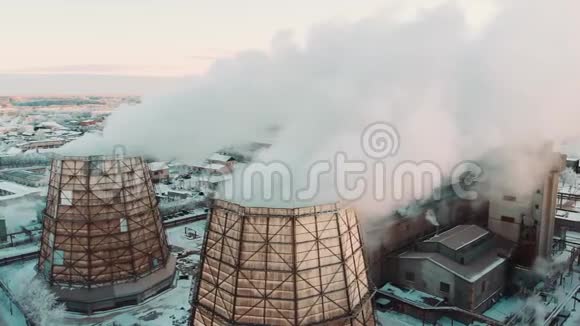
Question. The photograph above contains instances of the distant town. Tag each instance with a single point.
(32, 125)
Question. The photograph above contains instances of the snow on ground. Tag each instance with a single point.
(178, 237)
(391, 318)
(24, 270)
(9, 275)
(169, 308)
(504, 308)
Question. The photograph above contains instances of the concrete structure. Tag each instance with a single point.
(466, 266)
(528, 218)
(271, 266)
(103, 244)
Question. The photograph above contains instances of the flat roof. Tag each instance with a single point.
(460, 236)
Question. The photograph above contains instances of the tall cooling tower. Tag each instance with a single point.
(103, 244)
(269, 266)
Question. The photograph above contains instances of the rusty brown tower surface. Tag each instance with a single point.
(101, 223)
(270, 266)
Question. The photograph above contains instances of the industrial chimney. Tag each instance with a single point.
(278, 266)
(103, 244)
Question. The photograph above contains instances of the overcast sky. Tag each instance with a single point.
(169, 38)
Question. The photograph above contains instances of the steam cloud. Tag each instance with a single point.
(453, 92)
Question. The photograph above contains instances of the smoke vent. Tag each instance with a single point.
(101, 229)
(269, 266)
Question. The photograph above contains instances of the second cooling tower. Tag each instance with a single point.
(277, 266)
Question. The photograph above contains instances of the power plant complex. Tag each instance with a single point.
(106, 245)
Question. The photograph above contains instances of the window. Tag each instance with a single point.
(444, 287)
(537, 206)
(508, 219)
(51, 240)
(410, 276)
(509, 198)
(155, 262)
(58, 258)
(123, 225)
(483, 286)
(66, 197)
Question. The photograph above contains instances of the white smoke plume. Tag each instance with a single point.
(431, 217)
(453, 92)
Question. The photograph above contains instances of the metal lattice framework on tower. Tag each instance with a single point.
(101, 223)
(271, 266)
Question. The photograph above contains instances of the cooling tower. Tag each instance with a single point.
(268, 266)
(103, 244)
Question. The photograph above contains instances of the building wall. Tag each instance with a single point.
(474, 296)
(463, 294)
(506, 215)
(428, 277)
(159, 175)
(528, 217)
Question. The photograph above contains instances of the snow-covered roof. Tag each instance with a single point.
(459, 236)
(470, 273)
(214, 166)
(217, 157)
(52, 125)
(412, 295)
(157, 166)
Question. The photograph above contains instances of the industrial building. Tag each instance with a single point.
(466, 266)
(159, 172)
(103, 244)
(280, 266)
(528, 219)
(42, 144)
